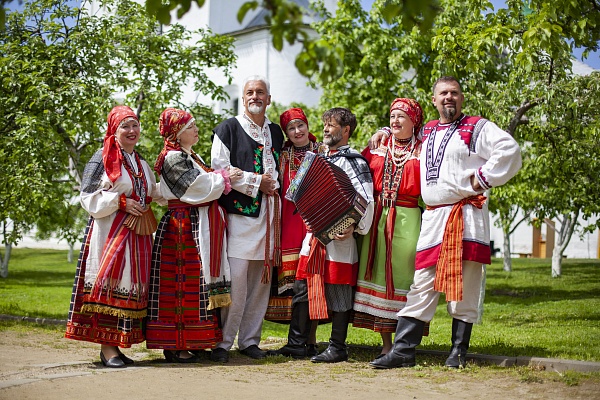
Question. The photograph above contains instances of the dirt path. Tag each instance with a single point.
(43, 365)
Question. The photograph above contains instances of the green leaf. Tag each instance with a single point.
(247, 6)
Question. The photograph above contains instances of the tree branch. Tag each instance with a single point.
(516, 119)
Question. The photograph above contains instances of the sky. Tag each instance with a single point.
(593, 59)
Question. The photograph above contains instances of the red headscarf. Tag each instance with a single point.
(288, 116)
(111, 152)
(170, 124)
(412, 108)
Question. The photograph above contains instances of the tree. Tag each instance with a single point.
(317, 57)
(563, 161)
(62, 70)
(509, 62)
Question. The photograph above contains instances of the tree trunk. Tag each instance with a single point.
(506, 251)
(5, 259)
(556, 262)
(567, 227)
(70, 254)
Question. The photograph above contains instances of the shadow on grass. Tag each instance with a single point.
(41, 278)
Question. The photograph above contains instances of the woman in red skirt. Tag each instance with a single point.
(189, 278)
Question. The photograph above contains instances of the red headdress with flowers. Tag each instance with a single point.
(412, 108)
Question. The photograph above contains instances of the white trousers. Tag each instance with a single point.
(422, 300)
(249, 300)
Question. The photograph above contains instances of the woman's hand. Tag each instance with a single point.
(134, 208)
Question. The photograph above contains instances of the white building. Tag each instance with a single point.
(255, 53)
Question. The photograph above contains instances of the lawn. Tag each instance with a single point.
(527, 313)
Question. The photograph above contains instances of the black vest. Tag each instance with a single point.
(245, 154)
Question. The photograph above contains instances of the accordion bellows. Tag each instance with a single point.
(325, 197)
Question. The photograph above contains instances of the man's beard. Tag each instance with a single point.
(333, 139)
(449, 113)
(254, 108)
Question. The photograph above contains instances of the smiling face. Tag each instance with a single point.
(189, 136)
(128, 134)
(297, 132)
(401, 124)
(256, 98)
(448, 99)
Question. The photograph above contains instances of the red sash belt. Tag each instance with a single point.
(216, 227)
(315, 270)
(276, 260)
(448, 272)
(390, 223)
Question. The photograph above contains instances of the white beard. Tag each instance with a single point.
(255, 108)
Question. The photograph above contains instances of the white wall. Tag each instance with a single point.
(522, 240)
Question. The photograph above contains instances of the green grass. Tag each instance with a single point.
(527, 313)
(39, 284)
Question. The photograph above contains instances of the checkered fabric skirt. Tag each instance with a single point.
(178, 318)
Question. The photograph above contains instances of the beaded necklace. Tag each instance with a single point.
(393, 168)
(296, 156)
(138, 181)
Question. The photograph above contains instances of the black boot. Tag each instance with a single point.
(409, 333)
(337, 350)
(461, 335)
(297, 334)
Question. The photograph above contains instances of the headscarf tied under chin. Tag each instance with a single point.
(412, 108)
(171, 124)
(288, 116)
(111, 152)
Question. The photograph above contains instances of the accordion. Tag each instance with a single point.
(325, 198)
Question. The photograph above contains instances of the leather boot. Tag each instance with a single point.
(337, 350)
(297, 334)
(409, 333)
(461, 335)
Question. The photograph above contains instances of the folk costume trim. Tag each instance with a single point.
(432, 161)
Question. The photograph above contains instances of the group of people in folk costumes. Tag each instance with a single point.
(231, 250)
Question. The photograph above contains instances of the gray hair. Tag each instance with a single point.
(259, 78)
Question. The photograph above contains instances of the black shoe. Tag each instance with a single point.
(124, 358)
(331, 355)
(175, 357)
(219, 355)
(254, 352)
(113, 362)
(201, 354)
(296, 352)
(391, 360)
(312, 350)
